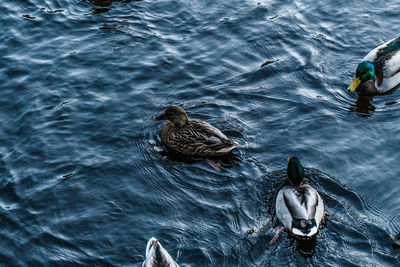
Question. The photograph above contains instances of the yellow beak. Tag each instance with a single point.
(354, 84)
(288, 160)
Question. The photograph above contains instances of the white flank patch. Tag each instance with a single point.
(300, 233)
(390, 78)
(282, 211)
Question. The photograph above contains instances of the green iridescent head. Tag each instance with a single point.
(365, 72)
(295, 171)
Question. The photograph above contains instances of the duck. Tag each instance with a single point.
(192, 137)
(379, 71)
(299, 207)
(157, 256)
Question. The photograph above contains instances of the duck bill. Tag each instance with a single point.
(353, 86)
(159, 118)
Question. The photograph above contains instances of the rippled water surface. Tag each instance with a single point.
(85, 180)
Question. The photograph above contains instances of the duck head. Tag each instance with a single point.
(174, 114)
(365, 72)
(295, 171)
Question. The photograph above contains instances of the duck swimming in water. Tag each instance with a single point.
(298, 206)
(192, 137)
(379, 71)
(157, 256)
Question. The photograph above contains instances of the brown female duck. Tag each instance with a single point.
(192, 137)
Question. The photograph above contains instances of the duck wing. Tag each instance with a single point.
(204, 132)
(386, 60)
(301, 201)
(197, 138)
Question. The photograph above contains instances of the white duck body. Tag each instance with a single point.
(157, 256)
(300, 209)
(387, 65)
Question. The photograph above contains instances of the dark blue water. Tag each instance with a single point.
(85, 180)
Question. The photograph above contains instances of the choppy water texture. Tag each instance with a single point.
(84, 179)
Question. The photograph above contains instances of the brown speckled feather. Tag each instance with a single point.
(196, 138)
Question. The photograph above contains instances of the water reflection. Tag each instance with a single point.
(103, 4)
(306, 247)
(226, 161)
(363, 106)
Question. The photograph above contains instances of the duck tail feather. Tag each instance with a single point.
(306, 228)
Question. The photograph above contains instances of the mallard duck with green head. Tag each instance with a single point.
(192, 137)
(379, 71)
(298, 206)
